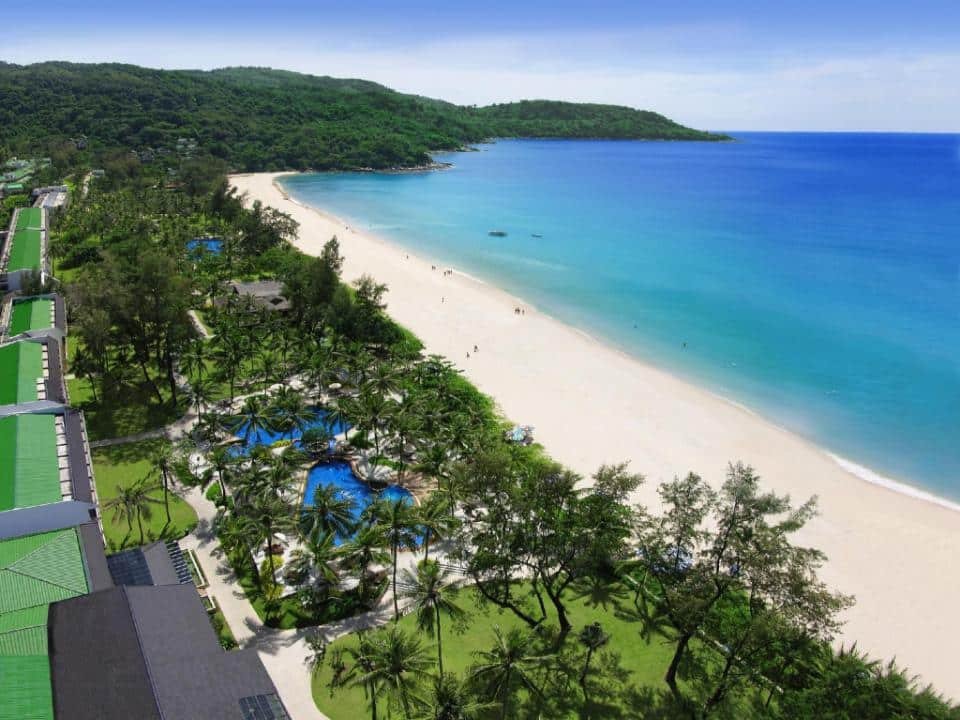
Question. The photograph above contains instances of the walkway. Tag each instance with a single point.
(198, 324)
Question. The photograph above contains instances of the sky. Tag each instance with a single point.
(839, 65)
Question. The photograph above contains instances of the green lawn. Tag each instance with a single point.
(124, 465)
(222, 629)
(121, 410)
(623, 676)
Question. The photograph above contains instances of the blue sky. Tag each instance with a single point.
(841, 65)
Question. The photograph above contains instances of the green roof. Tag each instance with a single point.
(30, 218)
(31, 314)
(21, 365)
(25, 250)
(35, 571)
(29, 471)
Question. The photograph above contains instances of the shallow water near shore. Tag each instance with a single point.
(812, 277)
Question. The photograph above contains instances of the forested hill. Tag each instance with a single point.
(261, 119)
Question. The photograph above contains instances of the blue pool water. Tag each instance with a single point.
(814, 277)
(267, 437)
(341, 476)
(213, 245)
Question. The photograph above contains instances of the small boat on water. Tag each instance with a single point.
(497, 233)
(535, 235)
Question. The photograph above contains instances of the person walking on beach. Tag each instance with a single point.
(475, 349)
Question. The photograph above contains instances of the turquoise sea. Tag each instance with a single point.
(812, 277)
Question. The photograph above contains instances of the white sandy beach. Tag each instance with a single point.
(591, 404)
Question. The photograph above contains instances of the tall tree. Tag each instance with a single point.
(449, 698)
(592, 637)
(362, 673)
(724, 566)
(432, 596)
(367, 547)
(399, 526)
(435, 520)
(162, 461)
(133, 502)
(331, 513)
(506, 667)
(400, 664)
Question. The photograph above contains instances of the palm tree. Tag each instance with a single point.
(435, 520)
(361, 673)
(404, 427)
(162, 461)
(383, 380)
(399, 523)
(228, 352)
(337, 415)
(222, 463)
(201, 392)
(317, 554)
(254, 417)
(366, 548)
(450, 699)
(331, 513)
(399, 663)
(194, 360)
(507, 666)
(374, 410)
(265, 367)
(593, 638)
(432, 596)
(277, 480)
(320, 370)
(290, 413)
(133, 501)
(270, 516)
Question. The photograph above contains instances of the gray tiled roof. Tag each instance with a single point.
(146, 652)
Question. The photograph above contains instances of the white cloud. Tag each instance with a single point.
(716, 88)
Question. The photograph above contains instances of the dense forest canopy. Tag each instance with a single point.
(260, 119)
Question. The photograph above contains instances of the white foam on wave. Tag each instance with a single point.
(868, 475)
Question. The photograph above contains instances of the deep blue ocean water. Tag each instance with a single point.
(812, 277)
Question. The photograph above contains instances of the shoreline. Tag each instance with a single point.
(880, 534)
(857, 470)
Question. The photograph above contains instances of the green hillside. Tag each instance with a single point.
(262, 119)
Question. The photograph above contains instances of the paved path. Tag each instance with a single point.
(148, 435)
(198, 324)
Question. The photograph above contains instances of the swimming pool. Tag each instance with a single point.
(340, 476)
(212, 245)
(264, 436)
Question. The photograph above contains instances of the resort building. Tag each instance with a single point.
(264, 293)
(53, 199)
(36, 570)
(46, 481)
(25, 251)
(32, 376)
(151, 653)
(159, 563)
(36, 316)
